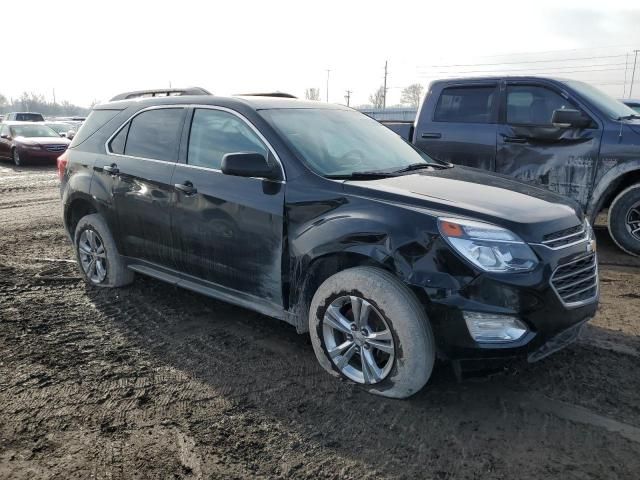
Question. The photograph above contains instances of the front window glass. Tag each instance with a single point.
(215, 133)
(342, 142)
(608, 105)
(33, 131)
(533, 105)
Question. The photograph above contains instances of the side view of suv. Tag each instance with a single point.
(317, 215)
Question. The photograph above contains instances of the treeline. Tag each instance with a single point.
(33, 102)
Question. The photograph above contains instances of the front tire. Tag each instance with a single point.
(16, 158)
(98, 259)
(624, 220)
(368, 327)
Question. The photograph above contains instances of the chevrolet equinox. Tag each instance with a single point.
(318, 215)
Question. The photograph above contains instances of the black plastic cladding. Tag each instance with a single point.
(275, 241)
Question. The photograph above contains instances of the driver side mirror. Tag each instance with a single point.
(70, 134)
(63, 135)
(5, 136)
(244, 164)
(568, 118)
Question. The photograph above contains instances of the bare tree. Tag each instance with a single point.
(377, 98)
(312, 94)
(3, 101)
(411, 95)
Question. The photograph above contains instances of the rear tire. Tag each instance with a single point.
(390, 350)
(624, 220)
(98, 259)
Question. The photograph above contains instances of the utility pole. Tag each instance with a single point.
(633, 75)
(328, 85)
(54, 96)
(626, 67)
(347, 97)
(384, 97)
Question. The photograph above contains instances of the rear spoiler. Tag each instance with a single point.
(163, 92)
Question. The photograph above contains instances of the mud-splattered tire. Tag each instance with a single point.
(392, 350)
(95, 246)
(17, 161)
(624, 220)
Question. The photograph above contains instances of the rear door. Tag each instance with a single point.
(228, 230)
(530, 148)
(140, 162)
(458, 124)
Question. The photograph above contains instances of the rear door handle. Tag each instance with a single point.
(187, 188)
(111, 169)
(515, 140)
(431, 135)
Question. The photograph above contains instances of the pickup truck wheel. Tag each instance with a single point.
(624, 220)
(368, 327)
(98, 258)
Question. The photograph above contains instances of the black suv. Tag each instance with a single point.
(318, 215)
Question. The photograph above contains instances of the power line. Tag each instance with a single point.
(522, 62)
(540, 52)
(545, 69)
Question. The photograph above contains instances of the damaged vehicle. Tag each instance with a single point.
(565, 135)
(317, 215)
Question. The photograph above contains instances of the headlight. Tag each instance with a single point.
(487, 246)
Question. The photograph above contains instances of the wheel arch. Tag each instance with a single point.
(77, 208)
(611, 185)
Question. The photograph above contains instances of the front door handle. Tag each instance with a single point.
(515, 140)
(431, 135)
(187, 188)
(111, 169)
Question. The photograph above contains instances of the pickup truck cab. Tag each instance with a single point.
(317, 215)
(565, 135)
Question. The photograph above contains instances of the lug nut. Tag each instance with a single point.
(350, 337)
(364, 332)
(354, 327)
(367, 346)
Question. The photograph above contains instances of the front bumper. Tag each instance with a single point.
(42, 155)
(552, 323)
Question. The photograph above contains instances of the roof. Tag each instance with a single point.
(251, 101)
(632, 101)
(501, 77)
(18, 122)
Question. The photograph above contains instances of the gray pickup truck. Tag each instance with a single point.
(563, 134)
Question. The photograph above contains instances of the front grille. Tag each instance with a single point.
(576, 282)
(55, 148)
(565, 237)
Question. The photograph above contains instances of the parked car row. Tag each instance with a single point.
(564, 135)
(23, 142)
(320, 216)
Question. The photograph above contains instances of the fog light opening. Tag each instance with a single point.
(494, 328)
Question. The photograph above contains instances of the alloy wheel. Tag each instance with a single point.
(633, 221)
(93, 257)
(358, 340)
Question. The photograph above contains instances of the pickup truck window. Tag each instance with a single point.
(342, 142)
(466, 105)
(533, 105)
(215, 133)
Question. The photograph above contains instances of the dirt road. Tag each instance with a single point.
(156, 382)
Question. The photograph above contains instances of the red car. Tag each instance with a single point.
(30, 142)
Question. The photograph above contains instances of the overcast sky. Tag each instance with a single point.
(90, 50)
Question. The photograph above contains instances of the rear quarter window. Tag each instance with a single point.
(95, 120)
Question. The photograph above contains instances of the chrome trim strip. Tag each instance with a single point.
(578, 282)
(185, 106)
(581, 232)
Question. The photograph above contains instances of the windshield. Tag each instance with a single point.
(609, 105)
(33, 131)
(343, 142)
(60, 127)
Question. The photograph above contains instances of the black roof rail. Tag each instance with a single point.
(161, 92)
(267, 94)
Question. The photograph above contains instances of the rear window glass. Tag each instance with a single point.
(29, 117)
(155, 134)
(466, 105)
(92, 124)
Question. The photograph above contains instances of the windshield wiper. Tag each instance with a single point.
(361, 175)
(629, 117)
(420, 166)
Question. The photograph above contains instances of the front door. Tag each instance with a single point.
(530, 148)
(463, 127)
(228, 230)
(139, 166)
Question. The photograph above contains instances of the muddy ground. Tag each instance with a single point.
(157, 382)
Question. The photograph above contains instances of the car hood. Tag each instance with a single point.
(526, 209)
(42, 140)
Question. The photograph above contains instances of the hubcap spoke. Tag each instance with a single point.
(342, 360)
(382, 341)
(356, 306)
(340, 349)
(370, 370)
(336, 320)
